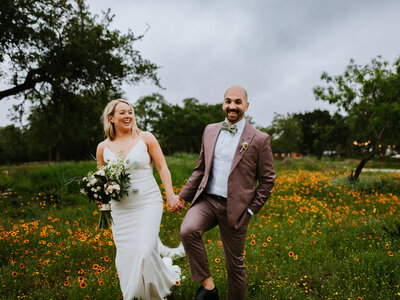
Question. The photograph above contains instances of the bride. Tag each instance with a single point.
(136, 218)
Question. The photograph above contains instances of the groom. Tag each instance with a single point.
(223, 189)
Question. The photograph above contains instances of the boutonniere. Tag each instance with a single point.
(244, 145)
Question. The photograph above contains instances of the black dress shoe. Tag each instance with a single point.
(204, 294)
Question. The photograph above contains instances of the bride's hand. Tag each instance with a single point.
(174, 204)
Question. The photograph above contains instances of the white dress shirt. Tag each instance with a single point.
(224, 152)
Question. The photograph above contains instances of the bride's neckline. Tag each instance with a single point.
(129, 152)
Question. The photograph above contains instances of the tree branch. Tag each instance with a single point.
(29, 83)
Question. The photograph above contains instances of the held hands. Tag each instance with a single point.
(175, 203)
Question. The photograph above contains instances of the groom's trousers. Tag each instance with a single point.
(205, 214)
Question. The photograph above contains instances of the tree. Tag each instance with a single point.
(178, 128)
(322, 131)
(182, 128)
(370, 94)
(286, 134)
(12, 145)
(69, 130)
(149, 110)
(53, 48)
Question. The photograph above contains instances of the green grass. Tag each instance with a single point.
(317, 237)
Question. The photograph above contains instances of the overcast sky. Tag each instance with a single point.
(277, 50)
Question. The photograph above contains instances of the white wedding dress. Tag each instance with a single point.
(142, 273)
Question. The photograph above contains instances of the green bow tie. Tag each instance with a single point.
(232, 129)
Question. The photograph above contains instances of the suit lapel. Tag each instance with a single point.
(246, 137)
(209, 145)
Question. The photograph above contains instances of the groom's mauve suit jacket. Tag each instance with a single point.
(248, 166)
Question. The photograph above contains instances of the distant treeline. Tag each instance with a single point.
(72, 129)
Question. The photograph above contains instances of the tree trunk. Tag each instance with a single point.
(353, 177)
(49, 153)
(58, 155)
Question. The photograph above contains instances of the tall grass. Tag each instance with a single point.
(317, 237)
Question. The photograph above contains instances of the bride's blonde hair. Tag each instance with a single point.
(109, 129)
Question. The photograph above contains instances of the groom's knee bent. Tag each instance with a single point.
(189, 232)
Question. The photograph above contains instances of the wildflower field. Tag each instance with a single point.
(316, 238)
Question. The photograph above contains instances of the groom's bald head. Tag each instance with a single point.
(237, 92)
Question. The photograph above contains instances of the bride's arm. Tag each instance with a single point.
(161, 165)
(100, 160)
(99, 154)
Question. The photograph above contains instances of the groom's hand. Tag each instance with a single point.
(179, 203)
(183, 202)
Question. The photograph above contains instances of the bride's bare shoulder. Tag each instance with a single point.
(101, 146)
(150, 140)
(147, 136)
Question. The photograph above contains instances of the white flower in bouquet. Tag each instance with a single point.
(109, 190)
(93, 181)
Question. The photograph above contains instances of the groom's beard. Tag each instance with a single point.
(234, 118)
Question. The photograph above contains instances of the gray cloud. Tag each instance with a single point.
(276, 49)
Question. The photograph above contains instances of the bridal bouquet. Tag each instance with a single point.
(110, 182)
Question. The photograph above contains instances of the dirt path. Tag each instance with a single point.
(382, 170)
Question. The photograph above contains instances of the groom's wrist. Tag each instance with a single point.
(250, 211)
